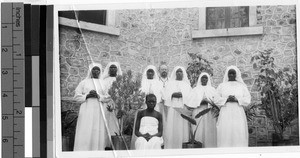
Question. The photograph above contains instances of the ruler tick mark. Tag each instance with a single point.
(7, 136)
(15, 49)
(18, 116)
(18, 88)
(7, 68)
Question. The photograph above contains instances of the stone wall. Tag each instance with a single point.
(164, 35)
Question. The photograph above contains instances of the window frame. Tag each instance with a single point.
(109, 28)
(227, 17)
(202, 32)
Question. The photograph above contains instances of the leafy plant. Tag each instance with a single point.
(250, 111)
(69, 119)
(215, 111)
(279, 91)
(127, 97)
(196, 66)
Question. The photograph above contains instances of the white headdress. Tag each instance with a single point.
(146, 83)
(238, 74)
(208, 79)
(91, 66)
(184, 77)
(155, 76)
(106, 70)
(200, 91)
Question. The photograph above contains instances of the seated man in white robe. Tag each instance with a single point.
(149, 126)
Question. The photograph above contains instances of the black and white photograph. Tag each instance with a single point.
(193, 78)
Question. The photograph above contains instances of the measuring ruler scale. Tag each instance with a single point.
(12, 79)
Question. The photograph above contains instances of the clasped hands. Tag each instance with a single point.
(92, 94)
(147, 136)
(177, 95)
(231, 98)
(204, 100)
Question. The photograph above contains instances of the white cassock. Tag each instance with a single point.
(112, 121)
(177, 129)
(90, 133)
(149, 125)
(163, 109)
(164, 81)
(232, 128)
(153, 86)
(206, 132)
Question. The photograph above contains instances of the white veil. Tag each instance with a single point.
(238, 74)
(199, 91)
(106, 70)
(145, 82)
(78, 91)
(91, 66)
(208, 79)
(155, 76)
(184, 78)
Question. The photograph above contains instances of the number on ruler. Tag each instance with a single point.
(19, 111)
(4, 140)
(4, 95)
(4, 26)
(4, 117)
(4, 72)
(4, 50)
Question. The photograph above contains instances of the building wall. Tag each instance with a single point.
(164, 35)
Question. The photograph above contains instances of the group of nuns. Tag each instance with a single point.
(159, 125)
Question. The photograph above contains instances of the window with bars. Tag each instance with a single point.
(92, 16)
(227, 17)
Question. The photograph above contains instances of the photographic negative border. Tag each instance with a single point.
(254, 151)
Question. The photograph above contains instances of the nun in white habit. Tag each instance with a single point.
(232, 128)
(90, 130)
(200, 96)
(111, 71)
(151, 84)
(175, 95)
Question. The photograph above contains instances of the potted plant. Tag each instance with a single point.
(69, 120)
(193, 143)
(127, 97)
(279, 93)
(250, 111)
(197, 65)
